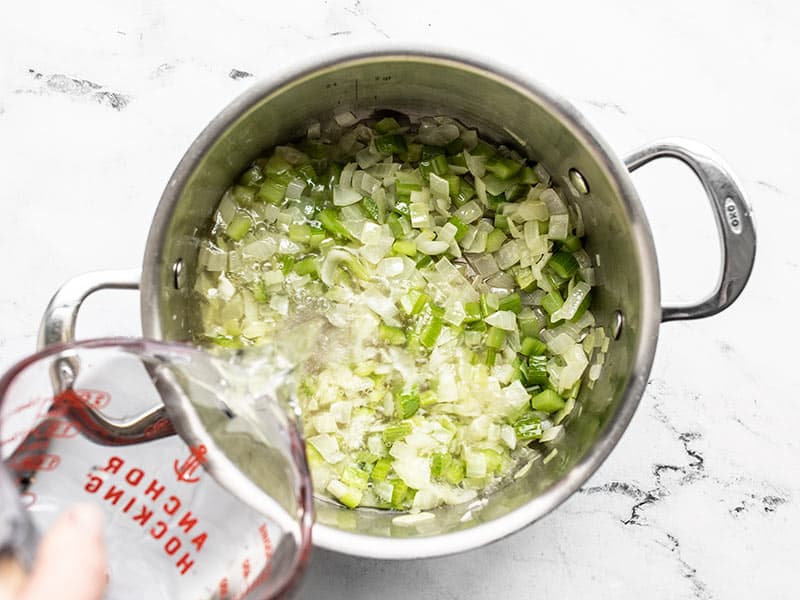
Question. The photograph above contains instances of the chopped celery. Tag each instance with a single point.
(396, 432)
(531, 345)
(563, 264)
(528, 428)
(238, 227)
(392, 335)
(512, 302)
(547, 401)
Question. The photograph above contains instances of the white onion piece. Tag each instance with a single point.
(346, 176)
(503, 319)
(558, 228)
(555, 205)
(328, 448)
(295, 188)
(439, 186)
(475, 164)
(345, 119)
(345, 196)
(470, 212)
(573, 301)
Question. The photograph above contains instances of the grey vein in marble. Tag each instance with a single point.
(72, 86)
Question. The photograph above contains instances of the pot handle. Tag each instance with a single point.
(58, 322)
(732, 213)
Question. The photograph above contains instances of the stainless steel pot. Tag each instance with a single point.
(503, 107)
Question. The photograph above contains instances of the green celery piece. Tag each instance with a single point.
(370, 209)
(252, 177)
(495, 240)
(453, 183)
(461, 227)
(425, 168)
(547, 401)
(287, 263)
(407, 188)
(299, 232)
(512, 302)
(439, 164)
(572, 243)
(500, 221)
(276, 165)
(244, 195)
(428, 398)
(399, 494)
(532, 346)
(495, 338)
(366, 457)
(582, 307)
(407, 404)
(381, 469)
(473, 310)
(465, 193)
(458, 160)
(419, 305)
(490, 357)
(536, 373)
(405, 247)
(272, 191)
(483, 149)
(351, 497)
(391, 144)
(552, 302)
(528, 428)
(528, 176)
(431, 331)
(354, 477)
(563, 264)
(455, 471)
(516, 191)
(308, 174)
(260, 292)
(494, 461)
(429, 152)
(227, 342)
(396, 432)
(307, 266)
(455, 147)
(414, 153)
(317, 236)
(387, 125)
(330, 221)
(503, 168)
(238, 227)
(423, 261)
(439, 463)
(391, 335)
(394, 224)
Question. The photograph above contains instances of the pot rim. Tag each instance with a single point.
(481, 534)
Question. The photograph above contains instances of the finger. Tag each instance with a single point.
(70, 563)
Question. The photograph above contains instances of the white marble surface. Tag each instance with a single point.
(98, 101)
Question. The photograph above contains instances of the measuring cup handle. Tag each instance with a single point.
(58, 322)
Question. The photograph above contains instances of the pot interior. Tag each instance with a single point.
(539, 125)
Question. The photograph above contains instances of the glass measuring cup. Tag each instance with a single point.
(222, 510)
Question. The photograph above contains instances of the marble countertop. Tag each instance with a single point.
(98, 102)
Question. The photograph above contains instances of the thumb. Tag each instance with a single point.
(70, 563)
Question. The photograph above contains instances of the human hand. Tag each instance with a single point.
(70, 563)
